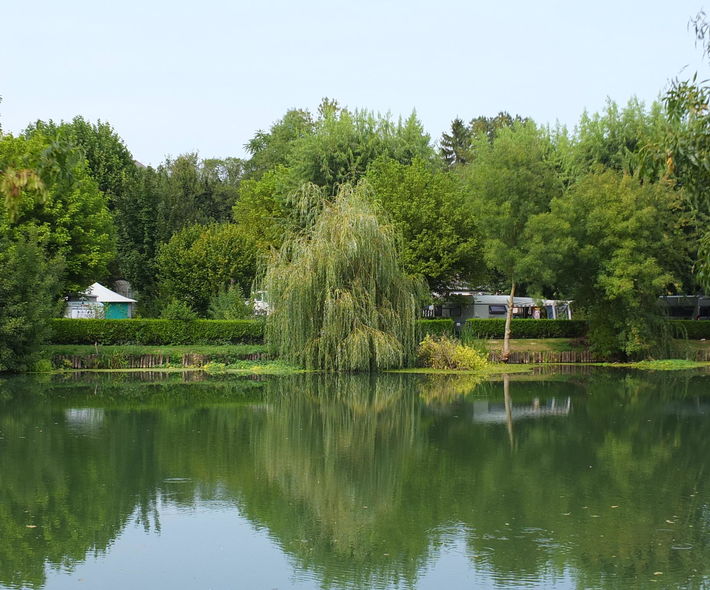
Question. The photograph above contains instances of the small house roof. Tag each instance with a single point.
(105, 295)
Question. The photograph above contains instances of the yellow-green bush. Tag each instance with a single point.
(442, 352)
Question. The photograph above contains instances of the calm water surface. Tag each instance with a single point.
(596, 480)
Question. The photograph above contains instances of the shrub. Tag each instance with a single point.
(434, 328)
(691, 329)
(494, 328)
(229, 304)
(178, 310)
(442, 352)
(161, 332)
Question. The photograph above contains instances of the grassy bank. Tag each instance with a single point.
(254, 358)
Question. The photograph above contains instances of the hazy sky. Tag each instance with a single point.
(175, 76)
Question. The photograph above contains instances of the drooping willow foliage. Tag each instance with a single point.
(339, 300)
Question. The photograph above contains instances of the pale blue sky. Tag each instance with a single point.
(173, 76)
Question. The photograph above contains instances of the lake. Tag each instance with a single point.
(595, 479)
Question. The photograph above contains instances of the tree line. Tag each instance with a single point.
(611, 214)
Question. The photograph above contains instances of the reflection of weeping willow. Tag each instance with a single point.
(442, 390)
(338, 445)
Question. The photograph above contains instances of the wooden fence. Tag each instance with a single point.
(533, 358)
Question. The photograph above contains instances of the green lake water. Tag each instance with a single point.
(596, 479)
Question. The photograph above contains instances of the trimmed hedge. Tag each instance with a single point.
(529, 328)
(72, 331)
(434, 328)
(691, 329)
(164, 332)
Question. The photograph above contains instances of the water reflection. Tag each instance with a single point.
(370, 481)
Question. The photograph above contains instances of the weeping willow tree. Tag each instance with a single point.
(339, 299)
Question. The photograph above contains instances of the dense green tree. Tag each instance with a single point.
(200, 259)
(136, 216)
(456, 145)
(609, 244)
(686, 147)
(29, 288)
(64, 207)
(489, 127)
(339, 299)
(511, 180)
(429, 207)
(618, 138)
(345, 143)
(630, 140)
(272, 149)
(110, 162)
(262, 210)
(191, 191)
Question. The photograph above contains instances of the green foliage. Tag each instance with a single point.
(609, 242)
(511, 180)
(229, 304)
(344, 144)
(339, 299)
(69, 216)
(70, 331)
(459, 146)
(261, 211)
(178, 310)
(28, 298)
(686, 147)
(494, 328)
(199, 260)
(618, 138)
(691, 329)
(442, 352)
(434, 328)
(109, 161)
(193, 191)
(430, 209)
(273, 149)
(456, 146)
(136, 218)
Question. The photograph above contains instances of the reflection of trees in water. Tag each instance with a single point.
(356, 476)
(337, 449)
(63, 496)
(68, 487)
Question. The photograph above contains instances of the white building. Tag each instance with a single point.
(463, 305)
(99, 302)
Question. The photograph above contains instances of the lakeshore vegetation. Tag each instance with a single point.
(346, 221)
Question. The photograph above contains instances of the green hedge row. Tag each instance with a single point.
(157, 332)
(435, 328)
(495, 328)
(691, 329)
(70, 331)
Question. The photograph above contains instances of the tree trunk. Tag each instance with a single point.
(508, 318)
(508, 409)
